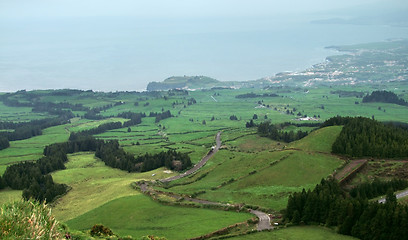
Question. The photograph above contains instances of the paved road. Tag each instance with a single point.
(199, 164)
(399, 195)
(264, 220)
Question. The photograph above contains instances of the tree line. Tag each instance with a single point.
(328, 204)
(93, 113)
(134, 119)
(254, 95)
(377, 188)
(385, 97)
(4, 143)
(266, 129)
(34, 179)
(161, 116)
(25, 130)
(364, 137)
(111, 152)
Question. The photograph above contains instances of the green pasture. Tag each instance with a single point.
(269, 187)
(19, 114)
(140, 216)
(320, 140)
(255, 170)
(248, 168)
(9, 195)
(32, 149)
(84, 124)
(297, 233)
(94, 184)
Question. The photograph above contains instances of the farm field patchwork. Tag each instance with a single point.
(248, 168)
(241, 174)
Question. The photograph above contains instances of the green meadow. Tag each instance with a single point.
(94, 184)
(297, 233)
(258, 171)
(140, 216)
(32, 149)
(247, 169)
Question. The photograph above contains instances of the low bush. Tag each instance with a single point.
(28, 220)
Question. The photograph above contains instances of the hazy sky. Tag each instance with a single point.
(46, 8)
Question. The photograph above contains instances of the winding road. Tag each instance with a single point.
(264, 220)
(399, 195)
(200, 163)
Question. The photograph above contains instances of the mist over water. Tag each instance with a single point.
(126, 53)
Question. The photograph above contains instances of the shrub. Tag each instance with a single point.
(28, 220)
(100, 230)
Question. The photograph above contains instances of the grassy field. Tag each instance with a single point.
(297, 233)
(94, 184)
(318, 141)
(139, 216)
(255, 170)
(19, 114)
(248, 169)
(271, 186)
(32, 149)
(8, 195)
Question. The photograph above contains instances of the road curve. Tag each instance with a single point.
(264, 220)
(200, 163)
(399, 195)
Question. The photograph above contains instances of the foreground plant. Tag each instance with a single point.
(28, 220)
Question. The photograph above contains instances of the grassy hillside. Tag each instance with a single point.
(93, 184)
(256, 171)
(271, 186)
(318, 141)
(297, 233)
(139, 216)
(248, 169)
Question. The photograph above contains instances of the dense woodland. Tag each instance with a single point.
(364, 137)
(266, 129)
(4, 143)
(385, 97)
(116, 157)
(328, 204)
(377, 188)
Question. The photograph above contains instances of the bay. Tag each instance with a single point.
(126, 53)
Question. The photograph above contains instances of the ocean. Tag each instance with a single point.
(126, 53)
